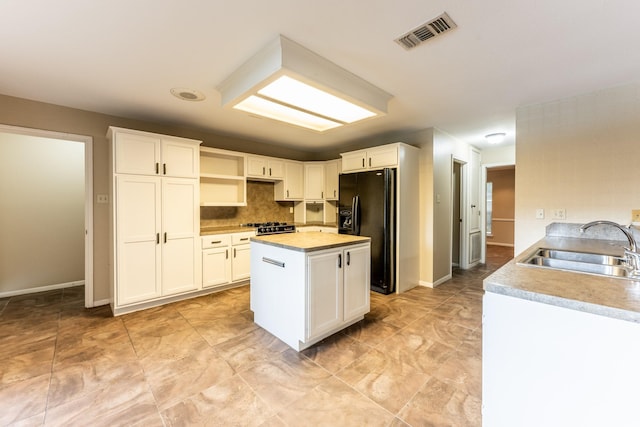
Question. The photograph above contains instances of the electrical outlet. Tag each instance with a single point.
(539, 213)
(103, 198)
(559, 214)
(290, 210)
(635, 215)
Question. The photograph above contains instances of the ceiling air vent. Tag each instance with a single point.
(424, 32)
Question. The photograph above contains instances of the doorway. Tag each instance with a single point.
(52, 197)
(500, 205)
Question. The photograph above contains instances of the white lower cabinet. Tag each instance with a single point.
(226, 258)
(303, 297)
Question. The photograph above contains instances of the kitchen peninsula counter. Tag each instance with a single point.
(560, 348)
(606, 296)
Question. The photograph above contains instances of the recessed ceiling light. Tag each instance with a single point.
(187, 94)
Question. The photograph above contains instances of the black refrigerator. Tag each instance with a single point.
(367, 207)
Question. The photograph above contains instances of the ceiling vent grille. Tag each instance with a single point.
(426, 31)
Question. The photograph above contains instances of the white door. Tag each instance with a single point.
(241, 262)
(356, 282)
(216, 267)
(324, 292)
(354, 161)
(138, 244)
(474, 245)
(180, 226)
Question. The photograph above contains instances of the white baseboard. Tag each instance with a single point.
(41, 289)
(436, 283)
(101, 302)
(500, 244)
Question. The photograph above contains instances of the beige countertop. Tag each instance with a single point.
(206, 231)
(612, 297)
(311, 241)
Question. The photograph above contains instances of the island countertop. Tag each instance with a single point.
(612, 297)
(310, 241)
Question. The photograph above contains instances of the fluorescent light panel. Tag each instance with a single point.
(301, 95)
(273, 110)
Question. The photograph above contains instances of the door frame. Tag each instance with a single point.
(88, 196)
(463, 245)
(483, 200)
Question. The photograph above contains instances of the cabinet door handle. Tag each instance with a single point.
(164, 168)
(244, 238)
(348, 258)
(269, 171)
(273, 262)
(322, 194)
(215, 242)
(369, 161)
(339, 260)
(157, 168)
(157, 238)
(287, 193)
(165, 237)
(234, 252)
(263, 170)
(226, 255)
(363, 162)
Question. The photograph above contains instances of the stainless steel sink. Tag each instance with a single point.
(583, 262)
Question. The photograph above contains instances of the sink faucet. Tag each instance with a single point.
(631, 253)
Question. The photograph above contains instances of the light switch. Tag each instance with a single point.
(559, 214)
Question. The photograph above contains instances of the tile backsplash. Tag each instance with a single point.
(260, 208)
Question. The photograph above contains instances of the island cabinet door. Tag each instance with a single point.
(324, 292)
(357, 269)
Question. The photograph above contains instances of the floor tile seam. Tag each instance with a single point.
(255, 392)
(53, 358)
(366, 397)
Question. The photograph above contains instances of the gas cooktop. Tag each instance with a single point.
(272, 227)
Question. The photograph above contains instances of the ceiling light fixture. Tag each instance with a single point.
(495, 138)
(287, 82)
(187, 94)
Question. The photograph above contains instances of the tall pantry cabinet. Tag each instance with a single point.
(155, 218)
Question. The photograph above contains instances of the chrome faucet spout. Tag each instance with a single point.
(633, 246)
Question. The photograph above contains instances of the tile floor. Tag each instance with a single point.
(414, 360)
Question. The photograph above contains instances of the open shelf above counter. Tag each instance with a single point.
(223, 178)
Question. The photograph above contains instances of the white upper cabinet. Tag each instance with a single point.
(385, 156)
(265, 168)
(292, 186)
(314, 180)
(331, 180)
(144, 153)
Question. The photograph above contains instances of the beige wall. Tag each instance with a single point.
(436, 151)
(30, 114)
(503, 205)
(41, 213)
(580, 154)
(501, 154)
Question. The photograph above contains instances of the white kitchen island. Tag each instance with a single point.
(307, 286)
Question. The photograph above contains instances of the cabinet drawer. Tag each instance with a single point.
(215, 241)
(242, 238)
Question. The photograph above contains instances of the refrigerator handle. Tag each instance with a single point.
(355, 215)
